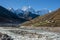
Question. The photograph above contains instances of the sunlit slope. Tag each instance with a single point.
(50, 19)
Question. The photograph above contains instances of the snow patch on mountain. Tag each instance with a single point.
(11, 9)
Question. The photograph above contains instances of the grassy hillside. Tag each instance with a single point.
(50, 19)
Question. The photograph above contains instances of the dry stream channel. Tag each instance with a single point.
(27, 34)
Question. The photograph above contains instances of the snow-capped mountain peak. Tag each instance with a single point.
(11, 9)
(24, 8)
(28, 9)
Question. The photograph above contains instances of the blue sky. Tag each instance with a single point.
(36, 4)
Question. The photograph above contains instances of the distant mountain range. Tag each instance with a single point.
(30, 9)
(28, 12)
(42, 12)
(27, 16)
(51, 20)
(15, 16)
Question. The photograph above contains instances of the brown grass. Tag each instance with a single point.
(53, 16)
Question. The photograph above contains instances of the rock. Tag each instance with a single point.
(6, 37)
